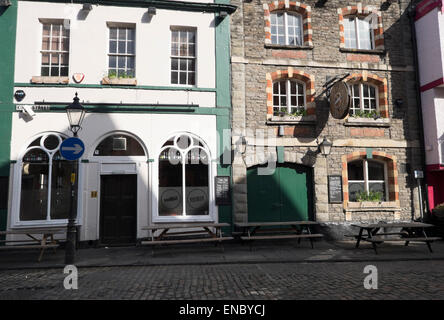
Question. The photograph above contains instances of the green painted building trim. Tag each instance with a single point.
(139, 109)
(223, 102)
(8, 26)
(369, 152)
(100, 86)
(160, 4)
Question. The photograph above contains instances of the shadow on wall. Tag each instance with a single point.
(402, 100)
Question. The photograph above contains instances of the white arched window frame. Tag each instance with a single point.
(288, 96)
(365, 98)
(17, 181)
(286, 28)
(157, 217)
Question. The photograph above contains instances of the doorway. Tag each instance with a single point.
(118, 209)
(285, 195)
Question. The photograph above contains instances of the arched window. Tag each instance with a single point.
(288, 96)
(119, 145)
(286, 28)
(45, 181)
(184, 177)
(364, 100)
(367, 180)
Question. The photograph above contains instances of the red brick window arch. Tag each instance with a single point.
(369, 94)
(358, 31)
(364, 173)
(290, 91)
(288, 23)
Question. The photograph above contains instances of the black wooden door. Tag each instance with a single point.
(118, 209)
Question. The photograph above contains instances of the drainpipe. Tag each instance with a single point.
(411, 10)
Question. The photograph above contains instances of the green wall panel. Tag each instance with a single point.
(8, 21)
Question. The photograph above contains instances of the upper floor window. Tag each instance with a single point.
(364, 99)
(288, 96)
(122, 52)
(358, 33)
(183, 56)
(286, 28)
(55, 50)
(367, 179)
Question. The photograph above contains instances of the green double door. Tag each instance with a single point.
(286, 195)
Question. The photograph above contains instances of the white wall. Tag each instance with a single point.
(430, 42)
(151, 129)
(89, 41)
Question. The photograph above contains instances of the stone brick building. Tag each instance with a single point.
(283, 53)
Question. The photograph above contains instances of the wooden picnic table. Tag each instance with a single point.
(410, 231)
(297, 230)
(201, 232)
(37, 238)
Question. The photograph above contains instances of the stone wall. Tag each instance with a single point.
(398, 135)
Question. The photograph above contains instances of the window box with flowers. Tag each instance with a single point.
(122, 79)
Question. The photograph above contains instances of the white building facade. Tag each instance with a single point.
(154, 79)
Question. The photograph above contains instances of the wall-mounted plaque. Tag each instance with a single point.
(339, 100)
(335, 189)
(222, 189)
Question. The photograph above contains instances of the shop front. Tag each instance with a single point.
(137, 169)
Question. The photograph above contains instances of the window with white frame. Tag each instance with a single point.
(183, 56)
(122, 52)
(184, 173)
(55, 50)
(367, 178)
(45, 181)
(358, 33)
(288, 96)
(286, 28)
(364, 99)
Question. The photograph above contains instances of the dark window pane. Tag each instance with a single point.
(354, 188)
(183, 78)
(34, 189)
(54, 72)
(196, 180)
(121, 47)
(51, 142)
(61, 189)
(174, 64)
(45, 71)
(375, 170)
(191, 78)
(170, 183)
(355, 170)
(378, 187)
(113, 47)
(183, 64)
(112, 62)
(174, 78)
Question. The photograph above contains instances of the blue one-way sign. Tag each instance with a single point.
(72, 148)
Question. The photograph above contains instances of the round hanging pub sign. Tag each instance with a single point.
(339, 100)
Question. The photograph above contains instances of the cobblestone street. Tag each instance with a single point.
(277, 281)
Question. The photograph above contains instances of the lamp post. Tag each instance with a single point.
(75, 112)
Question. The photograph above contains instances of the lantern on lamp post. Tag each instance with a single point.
(76, 113)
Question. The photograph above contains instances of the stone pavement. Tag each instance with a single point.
(259, 281)
(277, 251)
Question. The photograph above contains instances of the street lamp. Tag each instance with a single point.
(325, 146)
(75, 112)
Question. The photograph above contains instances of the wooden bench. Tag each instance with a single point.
(296, 231)
(201, 233)
(42, 242)
(410, 232)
